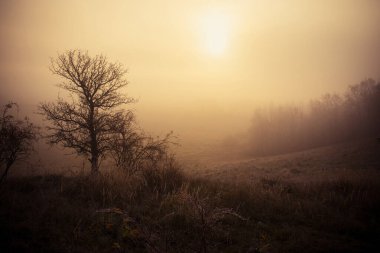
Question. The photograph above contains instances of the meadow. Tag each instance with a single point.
(321, 200)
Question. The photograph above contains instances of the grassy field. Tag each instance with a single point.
(322, 200)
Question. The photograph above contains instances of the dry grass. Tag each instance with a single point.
(162, 210)
(320, 164)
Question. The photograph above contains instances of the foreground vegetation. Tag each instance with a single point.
(162, 210)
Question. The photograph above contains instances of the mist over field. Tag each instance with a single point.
(198, 126)
(199, 69)
(272, 129)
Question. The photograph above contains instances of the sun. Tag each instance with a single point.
(216, 29)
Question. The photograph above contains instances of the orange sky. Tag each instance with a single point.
(272, 51)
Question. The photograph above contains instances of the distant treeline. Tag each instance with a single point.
(331, 119)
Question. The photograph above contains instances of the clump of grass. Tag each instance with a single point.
(195, 211)
(164, 177)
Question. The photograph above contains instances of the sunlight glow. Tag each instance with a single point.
(215, 28)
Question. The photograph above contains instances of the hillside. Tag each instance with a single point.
(314, 164)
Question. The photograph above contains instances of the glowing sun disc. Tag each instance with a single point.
(215, 32)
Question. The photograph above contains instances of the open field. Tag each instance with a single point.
(319, 164)
(323, 200)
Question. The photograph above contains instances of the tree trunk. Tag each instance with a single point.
(7, 167)
(4, 175)
(94, 143)
(94, 164)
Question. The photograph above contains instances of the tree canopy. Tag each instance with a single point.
(86, 123)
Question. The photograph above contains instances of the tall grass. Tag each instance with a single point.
(161, 210)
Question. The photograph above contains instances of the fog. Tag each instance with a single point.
(274, 53)
(331, 119)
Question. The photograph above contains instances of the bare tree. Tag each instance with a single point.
(87, 123)
(16, 137)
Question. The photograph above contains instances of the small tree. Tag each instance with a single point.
(16, 137)
(132, 150)
(87, 123)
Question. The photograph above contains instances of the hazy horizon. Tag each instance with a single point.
(199, 67)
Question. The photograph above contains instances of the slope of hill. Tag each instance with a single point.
(315, 164)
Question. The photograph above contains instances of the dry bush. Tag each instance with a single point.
(16, 139)
(133, 150)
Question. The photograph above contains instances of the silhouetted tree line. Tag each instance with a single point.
(331, 119)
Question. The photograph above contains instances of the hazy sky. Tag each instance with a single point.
(195, 63)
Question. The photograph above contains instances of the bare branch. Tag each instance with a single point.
(89, 122)
(16, 138)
